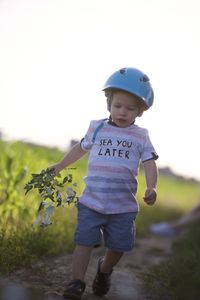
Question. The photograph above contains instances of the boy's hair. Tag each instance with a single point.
(109, 95)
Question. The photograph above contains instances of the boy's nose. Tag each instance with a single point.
(122, 111)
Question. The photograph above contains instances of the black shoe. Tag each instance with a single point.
(101, 283)
(74, 289)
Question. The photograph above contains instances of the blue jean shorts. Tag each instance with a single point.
(116, 230)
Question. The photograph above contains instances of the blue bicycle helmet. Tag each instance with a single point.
(132, 81)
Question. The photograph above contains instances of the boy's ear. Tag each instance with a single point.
(140, 112)
(142, 108)
(108, 104)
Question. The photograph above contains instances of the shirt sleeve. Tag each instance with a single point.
(87, 141)
(148, 151)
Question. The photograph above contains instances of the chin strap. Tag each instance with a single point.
(97, 130)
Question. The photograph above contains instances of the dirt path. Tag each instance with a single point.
(50, 274)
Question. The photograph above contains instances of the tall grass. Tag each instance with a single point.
(20, 243)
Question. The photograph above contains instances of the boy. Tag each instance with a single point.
(108, 207)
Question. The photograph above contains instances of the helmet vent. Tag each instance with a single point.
(144, 78)
(122, 71)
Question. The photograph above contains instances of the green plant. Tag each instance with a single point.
(51, 189)
(177, 278)
(12, 174)
(20, 249)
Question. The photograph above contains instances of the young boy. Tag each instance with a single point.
(108, 207)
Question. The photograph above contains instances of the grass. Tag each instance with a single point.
(178, 278)
(175, 197)
(20, 249)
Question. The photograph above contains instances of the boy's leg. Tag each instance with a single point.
(110, 260)
(119, 234)
(76, 287)
(81, 257)
(102, 281)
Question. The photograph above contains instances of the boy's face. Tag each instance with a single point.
(124, 108)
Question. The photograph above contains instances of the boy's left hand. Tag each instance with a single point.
(150, 196)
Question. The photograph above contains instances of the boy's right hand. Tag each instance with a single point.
(55, 168)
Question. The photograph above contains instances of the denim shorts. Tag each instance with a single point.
(116, 230)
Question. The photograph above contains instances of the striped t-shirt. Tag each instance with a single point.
(114, 157)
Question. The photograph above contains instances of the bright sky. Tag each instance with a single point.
(55, 56)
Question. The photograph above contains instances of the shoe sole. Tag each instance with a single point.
(71, 297)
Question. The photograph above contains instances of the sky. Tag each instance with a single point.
(55, 56)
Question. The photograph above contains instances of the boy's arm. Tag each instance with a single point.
(74, 154)
(151, 174)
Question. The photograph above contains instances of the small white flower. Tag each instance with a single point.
(50, 210)
(37, 221)
(70, 192)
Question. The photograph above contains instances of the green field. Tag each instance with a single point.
(20, 243)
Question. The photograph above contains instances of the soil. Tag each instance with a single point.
(51, 274)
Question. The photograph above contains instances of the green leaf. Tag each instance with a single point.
(65, 179)
(41, 206)
(28, 187)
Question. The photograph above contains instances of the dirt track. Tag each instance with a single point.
(50, 274)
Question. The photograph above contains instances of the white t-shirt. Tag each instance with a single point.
(114, 157)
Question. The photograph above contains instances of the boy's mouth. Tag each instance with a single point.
(121, 120)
